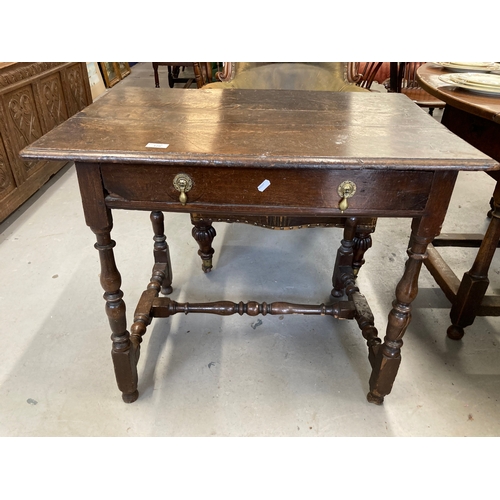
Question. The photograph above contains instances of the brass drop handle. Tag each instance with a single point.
(183, 183)
(346, 190)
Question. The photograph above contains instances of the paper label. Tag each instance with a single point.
(156, 145)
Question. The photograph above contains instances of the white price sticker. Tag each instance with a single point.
(264, 185)
(156, 145)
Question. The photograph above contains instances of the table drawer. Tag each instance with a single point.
(296, 189)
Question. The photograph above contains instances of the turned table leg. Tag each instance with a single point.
(423, 231)
(388, 357)
(362, 243)
(123, 352)
(344, 260)
(98, 217)
(161, 252)
(350, 255)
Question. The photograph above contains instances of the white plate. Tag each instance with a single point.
(470, 66)
(473, 88)
(478, 80)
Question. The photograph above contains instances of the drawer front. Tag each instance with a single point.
(296, 190)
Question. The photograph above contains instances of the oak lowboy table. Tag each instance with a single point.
(261, 152)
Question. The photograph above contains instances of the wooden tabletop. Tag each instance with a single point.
(483, 105)
(261, 128)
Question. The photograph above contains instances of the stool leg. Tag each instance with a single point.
(475, 281)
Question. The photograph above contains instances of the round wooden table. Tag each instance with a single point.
(475, 117)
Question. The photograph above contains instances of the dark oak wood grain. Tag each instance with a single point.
(227, 142)
(257, 128)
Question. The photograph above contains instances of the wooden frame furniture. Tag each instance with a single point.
(34, 98)
(475, 118)
(253, 152)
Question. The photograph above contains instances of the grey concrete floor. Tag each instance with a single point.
(231, 376)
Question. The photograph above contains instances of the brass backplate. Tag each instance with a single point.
(346, 189)
(183, 183)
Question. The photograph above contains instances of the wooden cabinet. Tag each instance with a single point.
(34, 98)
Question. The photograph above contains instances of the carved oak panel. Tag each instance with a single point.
(74, 88)
(52, 101)
(7, 184)
(23, 125)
